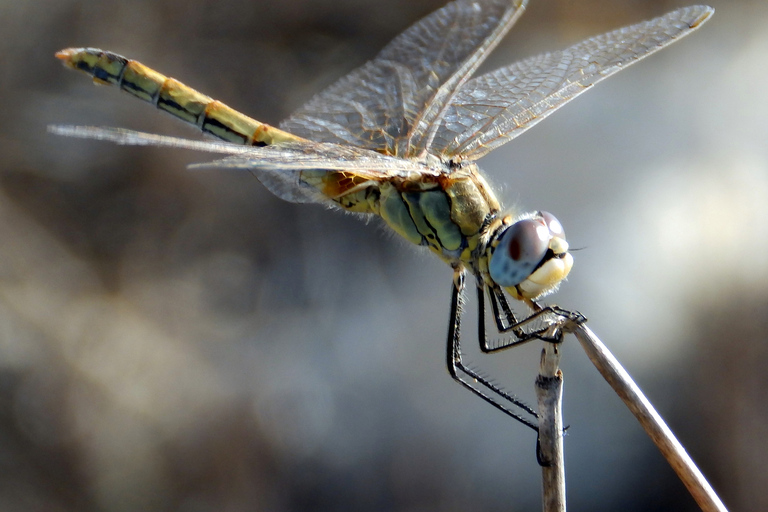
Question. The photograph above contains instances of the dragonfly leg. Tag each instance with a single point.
(468, 377)
(543, 324)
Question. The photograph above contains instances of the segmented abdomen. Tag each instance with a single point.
(209, 115)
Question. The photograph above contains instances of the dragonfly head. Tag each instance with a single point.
(530, 257)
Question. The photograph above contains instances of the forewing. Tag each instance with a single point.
(395, 101)
(278, 167)
(492, 109)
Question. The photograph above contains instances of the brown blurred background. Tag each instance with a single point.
(183, 340)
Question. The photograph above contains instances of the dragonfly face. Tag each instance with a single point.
(530, 258)
(398, 137)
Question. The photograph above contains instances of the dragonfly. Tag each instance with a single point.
(399, 137)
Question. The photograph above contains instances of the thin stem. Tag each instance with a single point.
(549, 394)
(649, 419)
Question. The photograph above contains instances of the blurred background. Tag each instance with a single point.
(177, 340)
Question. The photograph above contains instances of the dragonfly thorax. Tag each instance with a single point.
(455, 214)
(449, 212)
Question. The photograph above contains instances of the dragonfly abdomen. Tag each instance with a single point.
(170, 95)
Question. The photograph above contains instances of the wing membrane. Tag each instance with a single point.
(494, 108)
(392, 104)
(278, 167)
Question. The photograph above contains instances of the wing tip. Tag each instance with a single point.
(703, 17)
(704, 13)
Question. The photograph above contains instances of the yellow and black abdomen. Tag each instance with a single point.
(209, 115)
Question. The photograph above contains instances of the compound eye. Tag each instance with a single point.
(521, 248)
(555, 228)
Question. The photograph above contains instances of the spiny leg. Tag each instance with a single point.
(498, 298)
(461, 373)
(505, 319)
(541, 324)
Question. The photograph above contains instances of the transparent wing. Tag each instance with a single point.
(392, 103)
(278, 167)
(494, 108)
